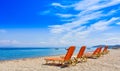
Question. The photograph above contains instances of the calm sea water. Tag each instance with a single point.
(18, 53)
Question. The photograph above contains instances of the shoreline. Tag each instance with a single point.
(31, 58)
(114, 48)
(43, 56)
(108, 62)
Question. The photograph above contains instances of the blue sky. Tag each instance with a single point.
(59, 23)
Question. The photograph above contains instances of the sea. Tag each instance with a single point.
(12, 53)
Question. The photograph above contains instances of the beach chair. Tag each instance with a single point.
(63, 61)
(80, 55)
(105, 50)
(99, 53)
(95, 54)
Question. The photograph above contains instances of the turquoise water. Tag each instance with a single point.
(18, 53)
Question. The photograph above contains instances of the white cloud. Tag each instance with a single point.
(104, 5)
(78, 31)
(65, 15)
(9, 42)
(80, 21)
(118, 23)
(112, 38)
(4, 41)
(23, 43)
(82, 18)
(103, 25)
(56, 29)
(95, 5)
(59, 5)
(85, 4)
(82, 33)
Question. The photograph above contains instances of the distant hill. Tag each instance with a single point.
(110, 46)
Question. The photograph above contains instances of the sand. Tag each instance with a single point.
(109, 62)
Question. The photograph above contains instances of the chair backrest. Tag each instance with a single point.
(100, 49)
(96, 51)
(69, 53)
(105, 48)
(81, 52)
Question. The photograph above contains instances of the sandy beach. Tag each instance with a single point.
(109, 62)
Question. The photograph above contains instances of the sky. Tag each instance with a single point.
(59, 23)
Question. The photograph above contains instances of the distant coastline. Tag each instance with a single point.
(110, 46)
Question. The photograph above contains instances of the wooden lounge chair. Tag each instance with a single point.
(63, 61)
(95, 54)
(105, 50)
(80, 55)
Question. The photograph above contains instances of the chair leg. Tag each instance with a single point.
(94, 56)
(84, 59)
(75, 60)
(46, 61)
(53, 62)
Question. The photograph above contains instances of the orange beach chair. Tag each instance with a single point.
(95, 54)
(99, 51)
(63, 61)
(80, 55)
(105, 50)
